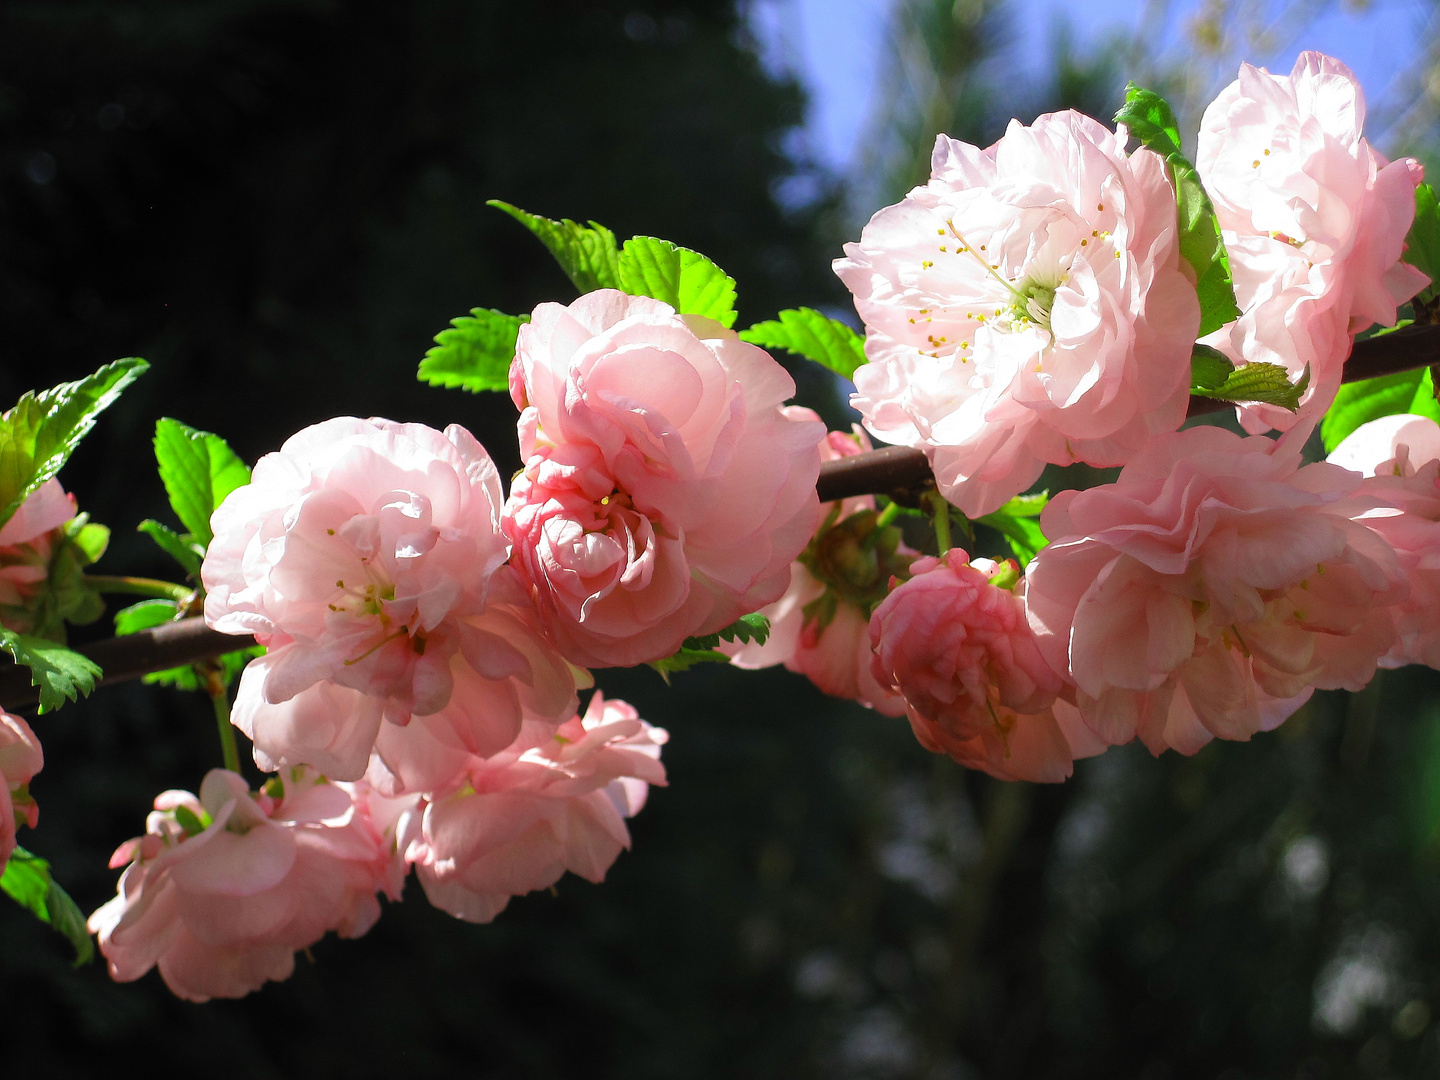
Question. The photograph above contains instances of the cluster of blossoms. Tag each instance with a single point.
(426, 640)
(428, 637)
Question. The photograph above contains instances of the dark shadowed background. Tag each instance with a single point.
(279, 204)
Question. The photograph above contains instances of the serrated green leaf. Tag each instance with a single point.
(1360, 402)
(1422, 243)
(1266, 383)
(685, 659)
(1152, 121)
(808, 333)
(180, 548)
(1209, 368)
(198, 470)
(27, 880)
(144, 615)
(587, 255)
(61, 674)
(475, 353)
(684, 279)
(38, 435)
(754, 627)
(1018, 521)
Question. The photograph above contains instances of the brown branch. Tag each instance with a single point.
(172, 645)
(896, 471)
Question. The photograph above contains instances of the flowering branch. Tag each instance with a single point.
(898, 471)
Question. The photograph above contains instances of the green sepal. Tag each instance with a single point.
(589, 256)
(474, 354)
(198, 470)
(806, 332)
(28, 882)
(1019, 522)
(685, 659)
(1360, 402)
(38, 435)
(1152, 121)
(182, 549)
(684, 279)
(187, 820)
(61, 674)
(1266, 383)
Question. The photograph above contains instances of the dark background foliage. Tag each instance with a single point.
(279, 203)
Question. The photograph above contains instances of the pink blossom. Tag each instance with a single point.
(20, 760)
(27, 543)
(665, 493)
(955, 642)
(1028, 305)
(223, 889)
(368, 557)
(1400, 458)
(820, 628)
(555, 800)
(1314, 220)
(1210, 589)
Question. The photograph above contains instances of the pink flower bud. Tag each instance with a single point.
(955, 642)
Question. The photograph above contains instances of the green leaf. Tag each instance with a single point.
(475, 353)
(27, 880)
(198, 470)
(1422, 244)
(144, 615)
(61, 674)
(1267, 383)
(180, 548)
(38, 435)
(747, 628)
(1360, 402)
(587, 255)
(806, 332)
(1018, 521)
(685, 659)
(1152, 121)
(684, 279)
(1209, 368)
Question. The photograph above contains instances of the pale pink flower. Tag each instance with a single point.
(1210, 589)
(1028, 305)
(1314, 220)
(665, 493)
(958, 646)
(820, 628)
(20, 760)
(27, 544)
(1400, 458)
(556, 800)
(223, 889)
(368, 557)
